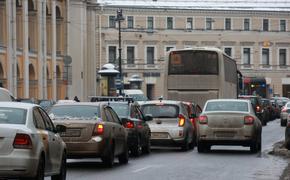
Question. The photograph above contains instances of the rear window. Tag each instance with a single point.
(161, 111)
(227, 106)
(75, 111)
(12, 116)
(252, 99)
(122, 110)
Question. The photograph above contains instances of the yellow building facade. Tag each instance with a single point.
(33, 47)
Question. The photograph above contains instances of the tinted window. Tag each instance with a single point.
(12, 116)
(230, 70)
(75, 111)
(193, 62)
(227, 106)
(160, 111)
(38, 121)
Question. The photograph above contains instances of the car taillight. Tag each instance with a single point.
(181, 120)
(258, 108)
(99, 130)
(129, 125)
(248, 120)
(202, 119)
(284, 110)
(192, 120)
(22, 141)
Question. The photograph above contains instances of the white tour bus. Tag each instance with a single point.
(198, 74)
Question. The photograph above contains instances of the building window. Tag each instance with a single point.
(112, 22)
(265, 24)
(265, 56)
(228, 51)
(150, 55)
(189, 23)
(150, 23)
(228, 24)
(130, 54)
(282, 57)
(283, 25)
(130, 20)
(208, 23)
(112, 54)
(247, 56)
(246, 24)
(169, 22)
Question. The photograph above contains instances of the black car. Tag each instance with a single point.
(135, 122)
(287, 136)
(260, 109)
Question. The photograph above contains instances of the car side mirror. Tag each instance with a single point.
(124, 121)
(60, 128)
(148, 117)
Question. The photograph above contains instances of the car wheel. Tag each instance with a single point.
(124, 157)
(40, 169)
(62, 172)
(137, 150)
(283, 122)
(200, 147)
(254, 147)
(108, 158)
(185, 145)
(147, 148)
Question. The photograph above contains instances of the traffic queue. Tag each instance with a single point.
(37, 142)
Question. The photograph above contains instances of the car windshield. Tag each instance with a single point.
(161, 111)
(227, 106)
(12, 115)
(74, 111)
(122, 110)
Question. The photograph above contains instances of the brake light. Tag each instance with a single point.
(248, 120)
(284, 109)
(22, 141)
(258, 108)
(202, 119)
(99, 130)
(129, 125)
(181, 120)
(192, 120)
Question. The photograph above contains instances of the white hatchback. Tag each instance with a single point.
(30, 146)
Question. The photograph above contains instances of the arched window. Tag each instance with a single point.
(30, 5)
(57, 12)
(58, 73)
(31, 72)
(1, 72)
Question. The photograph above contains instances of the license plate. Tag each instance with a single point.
(71, 133)
(225, 134)
(159, 135)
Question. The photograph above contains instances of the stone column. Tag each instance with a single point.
(53, 50)
(25, 48)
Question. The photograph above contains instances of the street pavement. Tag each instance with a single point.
(221, 163)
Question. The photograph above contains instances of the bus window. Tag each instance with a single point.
(193, 62)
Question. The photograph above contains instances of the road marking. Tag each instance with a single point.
(141, 169)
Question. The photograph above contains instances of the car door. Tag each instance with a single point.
(54, 140)
(120, 132)
(44, 137)
(143, 127)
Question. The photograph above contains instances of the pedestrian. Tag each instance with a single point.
(76, 99)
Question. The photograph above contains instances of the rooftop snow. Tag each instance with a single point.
(266, 5)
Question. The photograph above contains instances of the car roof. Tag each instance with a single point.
(161, 101)
(79, 104)
(21, 105)
(234, 100)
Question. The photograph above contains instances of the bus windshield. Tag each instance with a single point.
(190, 62)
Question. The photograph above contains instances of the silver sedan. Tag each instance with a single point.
(228, 122)
(30, 146)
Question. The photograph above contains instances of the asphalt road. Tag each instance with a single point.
(222, 163)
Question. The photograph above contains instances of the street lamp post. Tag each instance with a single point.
(120, 18)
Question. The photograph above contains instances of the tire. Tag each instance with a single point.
(200, 147)
(108, 158)
(185, 145)
(40, 170)
(137, 150)
(283, 122)
(124, 157)
(256, 145)
(147, 148)
(62, 172)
